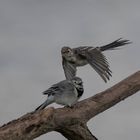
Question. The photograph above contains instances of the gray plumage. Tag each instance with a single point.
(66, 92)
(80, 56)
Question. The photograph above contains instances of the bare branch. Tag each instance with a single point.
(69, 122)
(100, 102)
(77, 132)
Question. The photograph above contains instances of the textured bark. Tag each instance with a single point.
(77, 132)
(70, 122)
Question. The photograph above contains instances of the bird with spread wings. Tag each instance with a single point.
(83, 55)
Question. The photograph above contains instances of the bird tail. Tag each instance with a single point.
(46, 103)
(117, 43)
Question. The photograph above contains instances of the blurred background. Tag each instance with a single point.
(32, 33)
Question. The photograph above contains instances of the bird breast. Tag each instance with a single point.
(68, 98)
(81, 62)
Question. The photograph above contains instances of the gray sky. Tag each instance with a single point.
(31, 36)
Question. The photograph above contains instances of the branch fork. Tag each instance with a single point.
(71, 123)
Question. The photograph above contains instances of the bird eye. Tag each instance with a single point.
(75, 82)
(68, 51)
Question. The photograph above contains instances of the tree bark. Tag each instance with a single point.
(70, 122)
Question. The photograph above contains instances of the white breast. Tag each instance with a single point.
(68, 98)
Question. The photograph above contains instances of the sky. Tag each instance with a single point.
(32, 33)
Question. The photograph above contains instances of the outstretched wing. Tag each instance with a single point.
(96, 59)
(99, 62)
(69, 69)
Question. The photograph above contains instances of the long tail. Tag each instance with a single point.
(117, 43)
(42, 106)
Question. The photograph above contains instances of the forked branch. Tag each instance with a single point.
(71, 123)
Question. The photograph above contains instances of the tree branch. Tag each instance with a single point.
(70, 122)
(77, 132)
(102, 101)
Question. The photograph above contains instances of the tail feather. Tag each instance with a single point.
(117, 43)
(42, 106)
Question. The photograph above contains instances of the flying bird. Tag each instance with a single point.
(83, 55)
(66, 92)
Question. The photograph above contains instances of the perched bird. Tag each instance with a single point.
(66, 92)
(80, 56)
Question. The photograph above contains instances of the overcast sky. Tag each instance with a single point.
(32, 33)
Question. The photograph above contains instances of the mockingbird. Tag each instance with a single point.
(66, 92)
(80, 56)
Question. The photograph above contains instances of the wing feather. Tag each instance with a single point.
(96, 59)
(69, 69)
(59, 88)
(99, 62)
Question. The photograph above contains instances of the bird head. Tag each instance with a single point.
(68, 53)
(78, 83)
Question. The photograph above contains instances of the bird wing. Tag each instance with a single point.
(96, 59)
(99, 62)
(59, 88)
(82, 50)
(52, 90)
(69, 69)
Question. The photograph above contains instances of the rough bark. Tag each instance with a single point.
(70, 122)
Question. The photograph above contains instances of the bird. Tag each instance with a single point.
(66, 92)
(83, 55)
